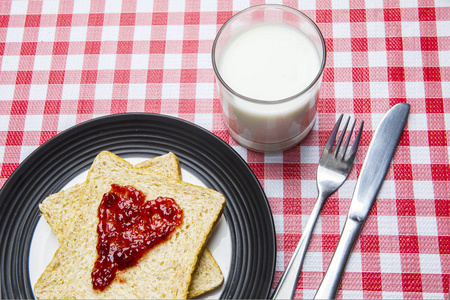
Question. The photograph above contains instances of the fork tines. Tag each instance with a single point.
(332, 138)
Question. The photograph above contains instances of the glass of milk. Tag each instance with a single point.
(269, 61)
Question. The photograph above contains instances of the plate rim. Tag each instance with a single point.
(30, 161)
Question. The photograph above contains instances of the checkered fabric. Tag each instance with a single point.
(64, 62)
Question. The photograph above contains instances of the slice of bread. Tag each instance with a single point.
(61, 208)
(165, 271)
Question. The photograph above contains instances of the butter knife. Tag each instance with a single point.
(374, 169)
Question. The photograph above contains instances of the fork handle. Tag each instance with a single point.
(288, 283)
(330, 282)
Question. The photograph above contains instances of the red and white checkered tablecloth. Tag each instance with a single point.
(65, 62)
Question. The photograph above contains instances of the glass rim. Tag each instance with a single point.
(277, 101)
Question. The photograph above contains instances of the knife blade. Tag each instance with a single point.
(374, 169)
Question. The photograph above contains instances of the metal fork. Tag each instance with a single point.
(334, 167)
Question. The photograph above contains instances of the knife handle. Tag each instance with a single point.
(330, 282)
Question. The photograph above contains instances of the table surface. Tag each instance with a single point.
(66, 62)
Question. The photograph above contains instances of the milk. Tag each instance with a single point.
(268, 61)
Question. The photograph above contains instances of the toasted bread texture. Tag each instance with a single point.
(165, 271)
(61, 208)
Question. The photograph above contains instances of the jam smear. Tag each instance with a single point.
(128, 227)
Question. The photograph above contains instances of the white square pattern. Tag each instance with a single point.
(78, 34)
(172, 61)
(417, 122)
(110, 33)
(170, 91)
(273, 188)
(43, 62)
(10, 63)
(375, 29)
(313, 262)
(410, 29)
(7, 91)
(420, 155)
(426, 226)
(38, 92)
(174, 32)
(387, 225)
(309, 154)
(274, 158)
(430, 263)
(70, 92)
(139, 61)
(205, 91)
(342, 59)
(445, 89)
(308, 188)
(18, 8)
(352, 295)
(207, 32)
(280, 261)
(447, 121)
(113, 6)
(51, 7)
(339, 4)
(137, 91)
(74, 62)
(423, 189)
(204, 120)
(341, 30)
(176, 6)
(374, 4)
(204, 61)
(14, 34)
(80, 7)
(25, 151)
(444, 58)
(33, 122)
(354, 263)
(142, 33)
(66, 121)
(415, 89)
(412, 59)
(4, 122)
(442, 27)
(103, 91)
(408, 3)
(343, 89)
(377, 59)
(144, 6)
(46, 34)
(390, 263)
(107, 62)
(208, 5)
(379, 89)
(242, 4)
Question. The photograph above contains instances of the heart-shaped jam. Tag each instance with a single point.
(128, 227)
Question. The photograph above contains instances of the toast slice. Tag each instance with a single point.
(161, 273)
(60, 208)
(207, 275)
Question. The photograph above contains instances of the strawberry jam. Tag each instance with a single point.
(128, 227)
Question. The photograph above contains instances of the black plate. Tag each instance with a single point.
(71, 152)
